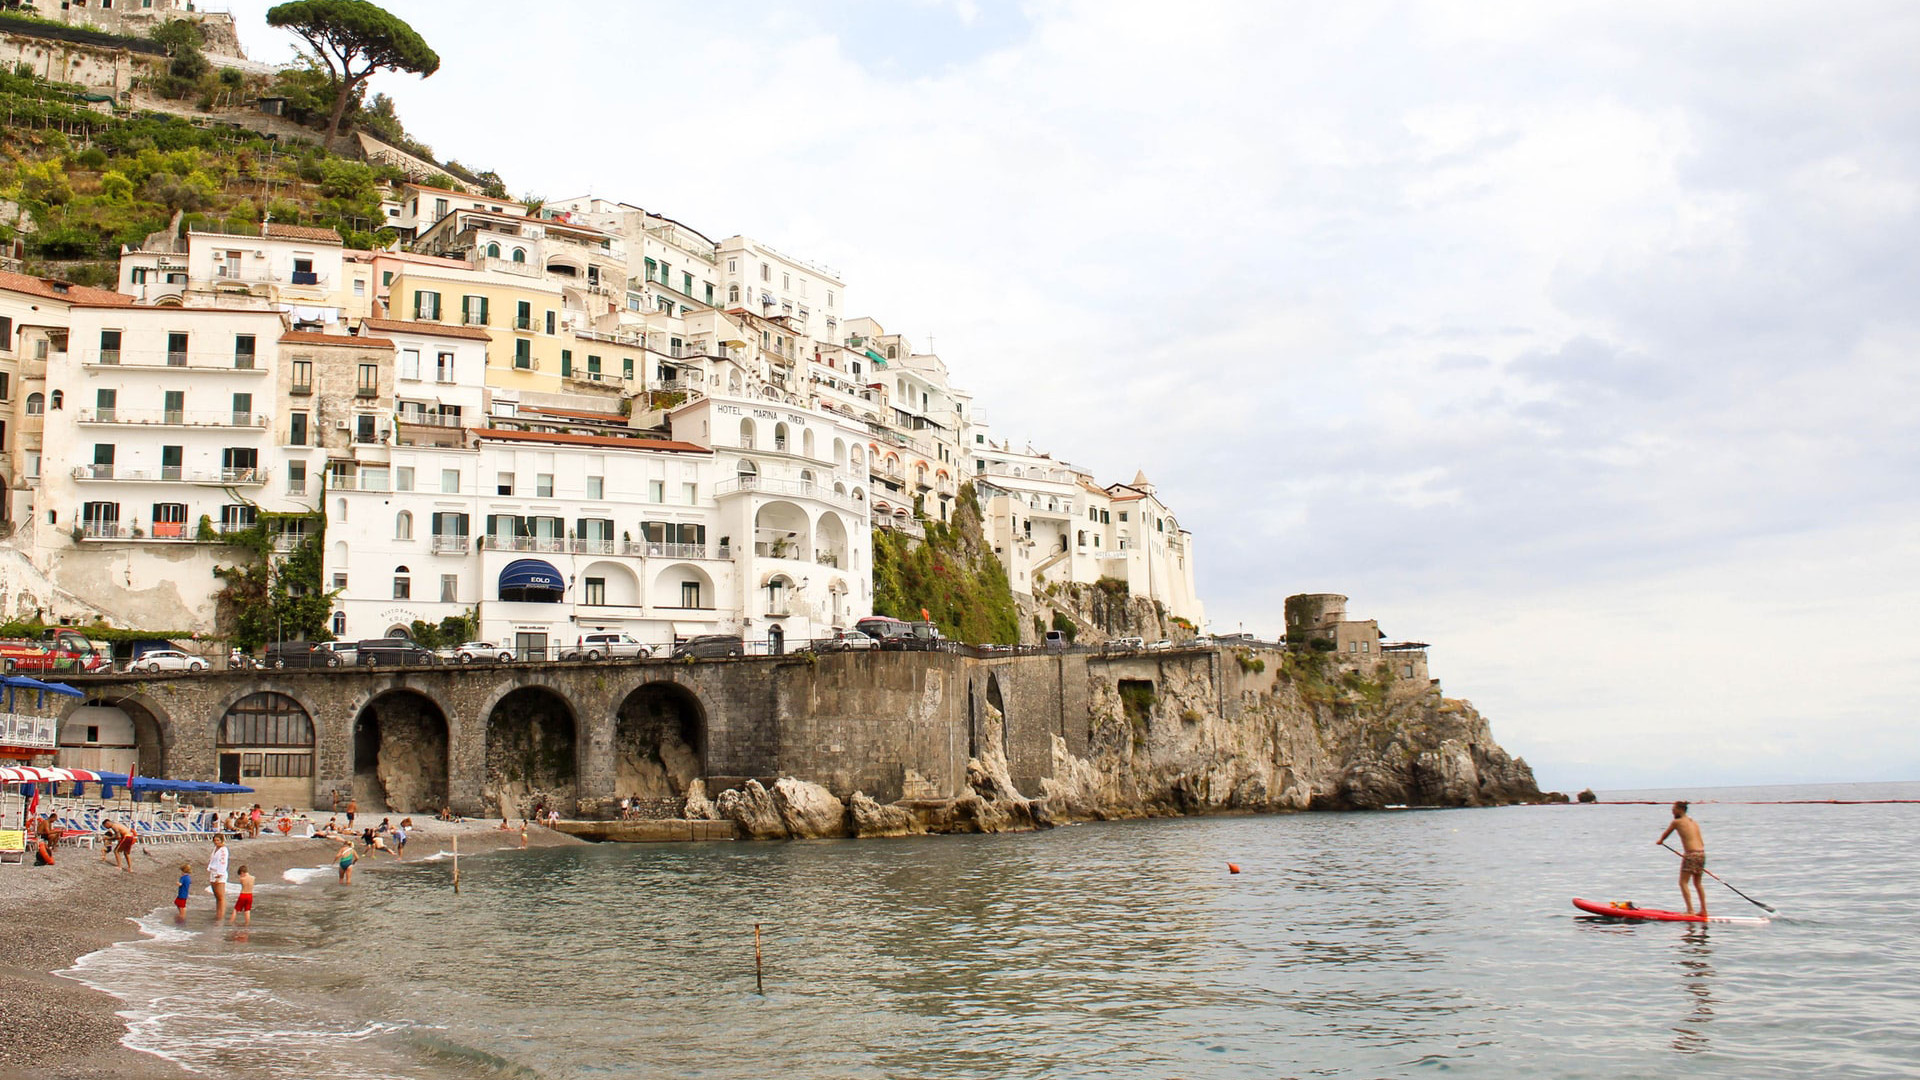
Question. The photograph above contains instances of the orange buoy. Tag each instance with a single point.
(1233, 868)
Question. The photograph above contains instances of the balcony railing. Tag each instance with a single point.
(761, 485)
(171, 358)
(173, 474)
(450, 544)
(556, 544)
(431, 419)
(593, 546)
(173, 418)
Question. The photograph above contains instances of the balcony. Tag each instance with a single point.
(430, 419)
(174, 475)
(173, 418)
(554, 544)
(661, 550)
(168, 358)
(366, 391)
(779, 608)
(760, 485)
(449, 544)
(523, 322)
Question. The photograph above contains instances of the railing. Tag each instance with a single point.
(156, 358)
(662, 550)
(287, 541)
(779, 607)
(596, 377)
(24, 729)
(172, 418)
(555, 544)
(593, 546)
(449, 544)
(104, 530)
(741, 485)
(430, 419)
(172, 474)
(523, 322)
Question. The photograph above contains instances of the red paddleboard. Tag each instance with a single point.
(1616, 911)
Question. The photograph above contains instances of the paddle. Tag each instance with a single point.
(1766, 907)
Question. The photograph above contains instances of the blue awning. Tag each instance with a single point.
(531, 579)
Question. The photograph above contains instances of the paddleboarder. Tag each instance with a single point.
(1693, 860)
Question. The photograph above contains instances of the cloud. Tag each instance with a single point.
(1513, 322)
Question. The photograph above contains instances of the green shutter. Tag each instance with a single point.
(418, 299)
(566, 362)
(483, 312)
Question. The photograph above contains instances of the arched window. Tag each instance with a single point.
(403, 525)
(493, 251)
(266, 719)
(339, 624)
(733, 294)
(746, 433)
(402, 583)
(893, 352)
(806, 476)
(519, 256)
(58, 399)
(780, 436)
(339, 509)
(36, 404)
(746, 471)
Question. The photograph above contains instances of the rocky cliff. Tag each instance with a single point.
(1302, 732)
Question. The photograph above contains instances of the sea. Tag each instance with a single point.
(1408, 943)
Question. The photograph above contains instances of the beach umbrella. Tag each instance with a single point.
(31, 774)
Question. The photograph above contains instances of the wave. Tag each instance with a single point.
(300, 875)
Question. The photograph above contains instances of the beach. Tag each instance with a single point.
(50, 916)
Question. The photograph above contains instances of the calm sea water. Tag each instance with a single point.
(1388, 944)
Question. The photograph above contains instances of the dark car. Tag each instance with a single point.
(709, 645)
(393, 651)
(891, 633)
(300, 654)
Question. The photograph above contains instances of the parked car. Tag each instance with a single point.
(342, 649)
(1056, 641)
(1128, 643)
(300, 654)
(891, 633)
(848, 641)
(158, 660)
(608, 646)
(925, 635)
(1160, 646)
(393, 651)
(710, 645)
(468, 652)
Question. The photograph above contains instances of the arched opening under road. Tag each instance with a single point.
(532, 746)
(400, 754)
(112, 734)
(659, 746)
(266, 743)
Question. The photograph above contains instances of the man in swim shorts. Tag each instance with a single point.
(243, 904)
(120, 853)
(1693, 861)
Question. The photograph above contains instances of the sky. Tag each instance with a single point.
(1575, 339)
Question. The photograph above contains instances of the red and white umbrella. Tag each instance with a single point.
(28, 774)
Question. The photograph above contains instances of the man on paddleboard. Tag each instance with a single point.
(1693, 863)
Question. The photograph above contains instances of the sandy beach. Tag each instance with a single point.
(52, 915)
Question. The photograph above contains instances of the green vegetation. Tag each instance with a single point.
(953, 575)
(1067, 627)
(448, 632)
(1250, 663)
(353, 39)
(269, 599)
(1137, 700)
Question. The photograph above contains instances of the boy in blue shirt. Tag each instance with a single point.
(186, 886)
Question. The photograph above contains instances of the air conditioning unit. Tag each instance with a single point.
(341, 425)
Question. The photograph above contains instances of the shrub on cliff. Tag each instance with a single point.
(953, 575)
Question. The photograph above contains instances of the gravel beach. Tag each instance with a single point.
(56, 1028)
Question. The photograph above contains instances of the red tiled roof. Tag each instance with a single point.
(402, 326)
(52, 289)
(610, 441)
(273, 230)
(308, 337)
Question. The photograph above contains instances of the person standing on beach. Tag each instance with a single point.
(217, 877)
(243, 904)
(180, 898)
(122, 838)
(346, 858)
(400, 839)
(1693, 862)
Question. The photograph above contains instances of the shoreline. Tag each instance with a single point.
(51, 916)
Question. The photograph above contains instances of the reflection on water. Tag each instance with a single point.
(1694, 959)
(1372, 945)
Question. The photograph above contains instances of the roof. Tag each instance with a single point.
(308, 337)
(580, 414)
(276, 231)
(403, 326)
(448, 191)
(611, 441)
(55, 289)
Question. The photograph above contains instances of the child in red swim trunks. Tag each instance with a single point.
(243, 904)
(180, 898)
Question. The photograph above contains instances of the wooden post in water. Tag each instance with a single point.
(456, 864)
(759, 987)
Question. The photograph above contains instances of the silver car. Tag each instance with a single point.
(468, 652)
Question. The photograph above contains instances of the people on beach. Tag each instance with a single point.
(346, 858)
(119, 845)
(1693, 859)
(253, 822)
(45, 839)
(186, 888)
(400, 839)
(353, 807)
(217, 877)
(243, 904)
(523, 832)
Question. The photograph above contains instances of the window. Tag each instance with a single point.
(102, 461)
(656, 491)
(340, 617)
(596, 487)
(1123, 515)
(449, 481)
(109, 346)
(243, 346)
(266, 719)
(103, 403)
(33, 464)
(550, 322)
(523, 354)
(403, 478)
(686, 284)
(6, 333)
(176, 350)
(733, 294)
(519, 255)
(297, 429)
(369, 384)
(449, 588)
(363, 428)
(691, 491)
(439, 208)
(296, 478)
(689, 594)
(410, 363)
(359, 286)
(443, 367)
(403, 526)
(426, 305)
(829, 298)
(386, 278)
(303, 376)
(786, 282)
(493, 250)
(543, 485)
(566, 362)
(766, 272)
(36, 404)
(402, 584)
(594, 593)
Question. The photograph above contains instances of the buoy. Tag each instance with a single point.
(1233, 868)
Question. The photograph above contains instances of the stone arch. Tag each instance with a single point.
(142, 742)
(400, 753)
(659, 746)
(533, 750)
(997, 701)
(832, 543)
(268, 741)
(785, 527)
(622, 587)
